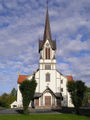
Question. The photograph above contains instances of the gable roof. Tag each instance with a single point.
(70, 78)
(57, 95)
(21, 78)
(52, 43)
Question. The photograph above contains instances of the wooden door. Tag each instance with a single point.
(47, 100)
(36, 102)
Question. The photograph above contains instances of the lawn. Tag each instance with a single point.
(44, 117)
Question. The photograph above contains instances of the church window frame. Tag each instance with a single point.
(61, 81)
(61, 89)
(47, 67)
(47, 53)
(47, 77)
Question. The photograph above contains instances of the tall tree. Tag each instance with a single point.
(4, 100)
(12, 96)
(86, 96)
(27, 89)
(14, 92)
(77, 90)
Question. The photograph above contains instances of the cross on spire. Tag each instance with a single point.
(47, 3)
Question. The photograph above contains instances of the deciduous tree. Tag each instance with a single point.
(77, 90)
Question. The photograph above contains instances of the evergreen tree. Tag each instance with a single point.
(27, 89)
(14, 92)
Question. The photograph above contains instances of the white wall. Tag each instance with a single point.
(19, 97)
(55, 78)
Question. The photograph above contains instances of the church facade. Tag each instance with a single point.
(51, 90)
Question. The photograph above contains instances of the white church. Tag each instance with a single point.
(51, 90)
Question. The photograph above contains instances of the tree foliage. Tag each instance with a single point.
(14, 92)
(77, 90)
(88, 92)
(86, 96)
(3, 100)
(7, 99)
(27, 89)
(12, 96)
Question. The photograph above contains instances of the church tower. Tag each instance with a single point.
(47, 48)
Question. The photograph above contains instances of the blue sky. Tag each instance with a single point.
(22, 25)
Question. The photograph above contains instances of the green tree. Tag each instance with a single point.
(86, 96)
(77, 90)
(14, 92)
(12, 96)
(88, 92)
(7, 99)
(3, 100)
(27, 89)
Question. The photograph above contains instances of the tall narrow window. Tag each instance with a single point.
(61, 89)
(47, 77)
(47, 53)
(61, 81)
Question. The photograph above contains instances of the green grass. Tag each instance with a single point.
(44, 117)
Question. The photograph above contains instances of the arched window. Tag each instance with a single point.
(47, 77)
(47, 52)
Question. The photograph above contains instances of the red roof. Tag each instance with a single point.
(21, 78)
(70, 78)
(88, 101)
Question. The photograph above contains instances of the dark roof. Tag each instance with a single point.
(41, 43)
(58, 95)
(47, 30)
(47, 34)
(59, 72)
(37, 95)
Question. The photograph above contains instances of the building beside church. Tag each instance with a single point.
(51, 90)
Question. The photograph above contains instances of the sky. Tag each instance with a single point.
(22, 25)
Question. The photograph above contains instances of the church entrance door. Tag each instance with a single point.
(47, 100)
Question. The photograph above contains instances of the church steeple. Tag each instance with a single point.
(47, 30)
(47, 34)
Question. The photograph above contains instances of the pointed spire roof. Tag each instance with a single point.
(47, 34)
(47, 30)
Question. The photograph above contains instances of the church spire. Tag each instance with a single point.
(47, 31)
(47, 34)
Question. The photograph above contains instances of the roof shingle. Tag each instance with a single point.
(70, 78)
(21, 78)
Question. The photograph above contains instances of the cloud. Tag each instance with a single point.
(22, 25)
(72, 46)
